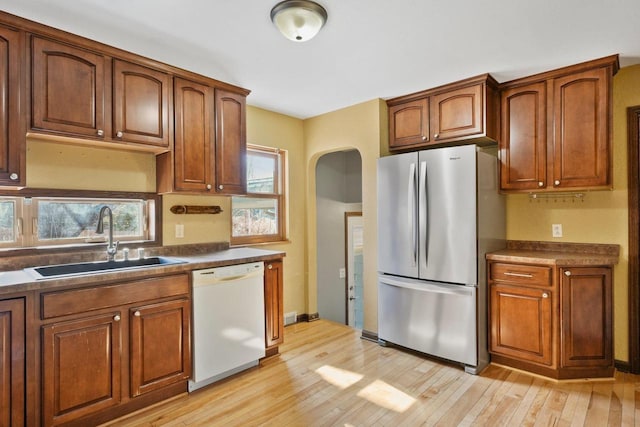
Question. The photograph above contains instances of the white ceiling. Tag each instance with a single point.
(368, 48)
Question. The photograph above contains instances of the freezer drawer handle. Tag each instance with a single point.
(529, 276)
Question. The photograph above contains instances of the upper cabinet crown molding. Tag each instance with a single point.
(462, 111)
(556, 129)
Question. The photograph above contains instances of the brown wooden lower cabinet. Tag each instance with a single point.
(557, 324)
(12, 362)
(273, 306)
(132, 350)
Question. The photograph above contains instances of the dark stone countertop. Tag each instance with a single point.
(194, 256)
(558, 254)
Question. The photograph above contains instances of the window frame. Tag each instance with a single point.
(29, 244)
(280, 188)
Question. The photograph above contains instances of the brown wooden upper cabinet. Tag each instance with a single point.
(556, 129)
(12, 132)
(461, 111)
(81, 93)
(231, 143)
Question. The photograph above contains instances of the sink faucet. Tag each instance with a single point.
(112, 248)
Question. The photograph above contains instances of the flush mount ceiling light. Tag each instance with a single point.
(298, 20)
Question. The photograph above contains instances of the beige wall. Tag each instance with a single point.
(360, 127)
(601, 218)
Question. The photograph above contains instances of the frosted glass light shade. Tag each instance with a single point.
(298, 20)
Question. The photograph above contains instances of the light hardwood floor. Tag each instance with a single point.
(326, 375)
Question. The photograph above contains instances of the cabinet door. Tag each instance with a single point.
(521, 323)
(409, 124)
(582, 151)
(523, 142)
(12, 133)
(231, 145)
(457, 113)
(273, 303)
(68, 89)
(193, 146)
(80, 367)
(140, 104)
(12, 361)
(160, 349)
(586, 317)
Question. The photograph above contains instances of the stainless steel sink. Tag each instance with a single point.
(84, 268)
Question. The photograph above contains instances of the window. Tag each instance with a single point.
(49, 221)
(258, 217)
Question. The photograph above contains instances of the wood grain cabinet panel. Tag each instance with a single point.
(581, 131)
(274, 302)
(524, 132)
(160, 345)
(462, 111)
(81, 367)
(586, 314)
(12, 362)
(556, 129)
(409, 124)
(457, 113)
(231, 144)
(141, 104)
(194, 148)
(68, 93)
(521, 323)
(12, 132)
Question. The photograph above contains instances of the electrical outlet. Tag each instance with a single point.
(179, 231)
(342, 273)
(556, 230)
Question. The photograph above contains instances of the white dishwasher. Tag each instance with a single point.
(228, 321)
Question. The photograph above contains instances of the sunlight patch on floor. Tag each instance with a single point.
(340, 378)
(387, 396)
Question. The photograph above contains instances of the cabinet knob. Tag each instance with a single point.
(100, 132)
(424, 137)
(540, 184)
(269, 267)
(545, 295)
(116, 318)
(208, 186)
(567, 273)
(436, 136)
(13, 177)
(136, 313)
(556, 182)
(220, 187)
(119, 134)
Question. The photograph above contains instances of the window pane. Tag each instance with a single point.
(7, 221)
(254, 216)
(261, 172)
(78, 219)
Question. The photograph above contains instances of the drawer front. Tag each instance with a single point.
(521, 274)
(74, 301)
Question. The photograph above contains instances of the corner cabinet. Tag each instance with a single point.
(554, 321)
(273, 305)
(12, 362)
(465, 110)
(12, 128)
(556, 129)
(112, 349)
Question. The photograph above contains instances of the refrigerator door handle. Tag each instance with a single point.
(428, 287)
(411, 213)
(424, 209)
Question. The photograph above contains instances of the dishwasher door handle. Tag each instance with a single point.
(201, 280)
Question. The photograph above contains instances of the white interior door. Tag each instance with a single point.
(355, 244)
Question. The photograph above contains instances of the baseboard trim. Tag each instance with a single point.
(622, 366)
(304, 317)
(368, 335)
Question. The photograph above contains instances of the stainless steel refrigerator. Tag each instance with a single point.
(439, 213)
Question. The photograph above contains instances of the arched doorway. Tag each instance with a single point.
(338, 191)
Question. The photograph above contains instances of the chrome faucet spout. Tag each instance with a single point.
(112, 248)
